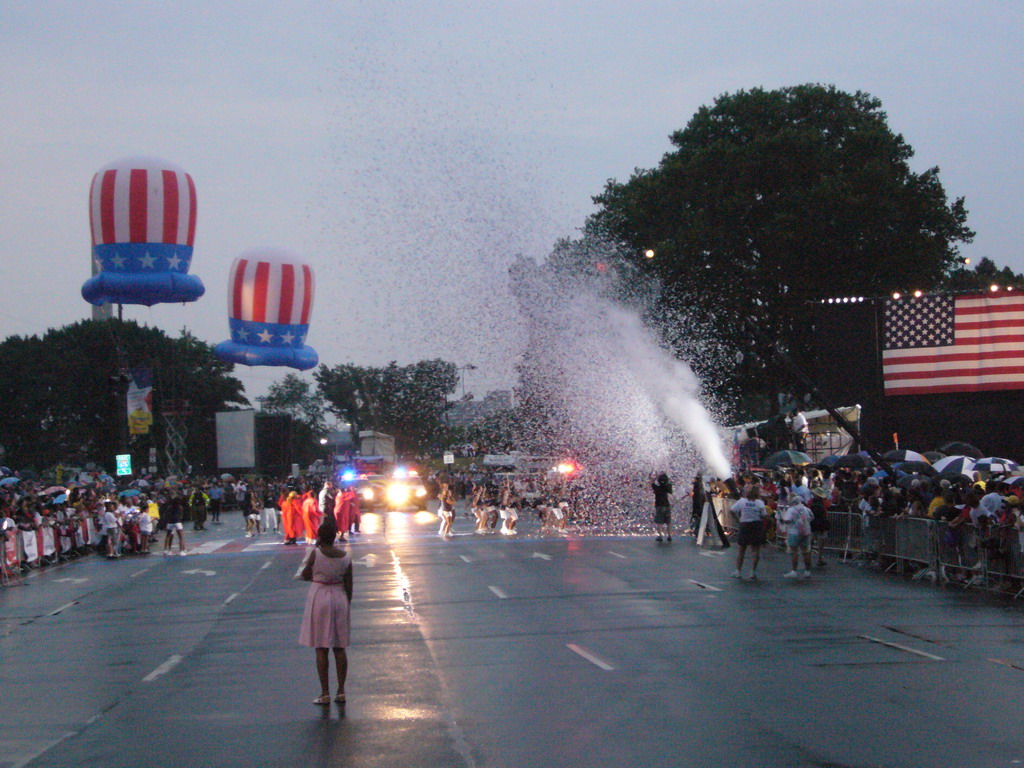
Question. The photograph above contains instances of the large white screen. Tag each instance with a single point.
(236, 439)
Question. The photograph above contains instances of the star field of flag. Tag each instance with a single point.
(922, 322)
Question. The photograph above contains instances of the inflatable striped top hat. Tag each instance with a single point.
(143, 216)
(270, 301)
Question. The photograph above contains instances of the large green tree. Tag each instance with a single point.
(301, 401)
(407, 402)
(771, 199)
(64, 400)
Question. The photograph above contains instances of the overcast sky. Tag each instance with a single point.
(410, 150)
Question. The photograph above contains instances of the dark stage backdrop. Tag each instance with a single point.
(846, 362)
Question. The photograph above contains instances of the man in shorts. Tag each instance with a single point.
(798, 536)
(662, 488)
(171, 513)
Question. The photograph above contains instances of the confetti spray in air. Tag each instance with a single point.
(597, 381)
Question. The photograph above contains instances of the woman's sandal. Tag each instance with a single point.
(322, 700)
(340, 698)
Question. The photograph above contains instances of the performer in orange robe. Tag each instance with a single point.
(341, 511)
(310, 516)
(290, 517)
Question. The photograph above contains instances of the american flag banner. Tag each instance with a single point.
(946, 343)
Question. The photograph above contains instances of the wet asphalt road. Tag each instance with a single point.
(488, 651)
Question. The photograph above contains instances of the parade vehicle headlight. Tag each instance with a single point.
(367, 494)
(398, 493)
(421, 492)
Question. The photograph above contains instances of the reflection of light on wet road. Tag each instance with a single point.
(370, 522)
(425, 517)
(403, 588)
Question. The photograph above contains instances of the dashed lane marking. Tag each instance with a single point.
(702, 585)
(498, 591)
(163, 669)
(899, 647)
(63, 607)
(266, 565)
(616, 554)
(590, 657)
(465, 559)
(139, 573)
(231, 598)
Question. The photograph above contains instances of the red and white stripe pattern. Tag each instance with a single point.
(270, 286)
(142, 200)
(986, 353)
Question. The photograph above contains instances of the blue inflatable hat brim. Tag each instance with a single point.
(302, 358)
(140, 288)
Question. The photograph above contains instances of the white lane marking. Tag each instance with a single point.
(542, 556)
(498, 592)
(465, 559)
(266, 565)
(616, 554)
(908, 649)
(163, 669)
(194, 571)
(265, 544)
(73, 581)
(66, 605)
(93, 719)
(139, 573)
(590, 657)
(702, 585)
(208, 546)
(712, 554)
(231, 597)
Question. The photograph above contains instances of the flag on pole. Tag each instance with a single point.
(946, 343)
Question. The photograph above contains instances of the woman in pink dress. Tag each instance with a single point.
(326, 621)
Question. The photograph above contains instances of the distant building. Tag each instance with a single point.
(467, 412)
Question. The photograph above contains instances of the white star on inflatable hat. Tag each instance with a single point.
(173, 261)
(147, 260)
(288, 337)
(265, 336)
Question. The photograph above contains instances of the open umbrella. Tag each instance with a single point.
(129, 492)
(829, 461)
(902, 455)
(787, 459)
(957, 448)
(854, 461)
(1014, 481)
(9, 481)
(994, 465)
(955, 464)
(140, 483)
(60, 499)
(5, 471)
(954, 477)
(934, 456)
(917, 467)
(55, 489)
(227, 476)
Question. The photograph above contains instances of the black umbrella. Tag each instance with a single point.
(853, 461)
(906, 482)
(917, 467)
(934, 456)
(954, 477)
(957, 448)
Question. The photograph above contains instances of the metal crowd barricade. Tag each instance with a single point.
(915, 546)
(845, 534)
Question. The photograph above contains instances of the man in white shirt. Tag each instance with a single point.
(800, 430)
(798, 536)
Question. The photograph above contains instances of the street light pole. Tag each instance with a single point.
(463, 369)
